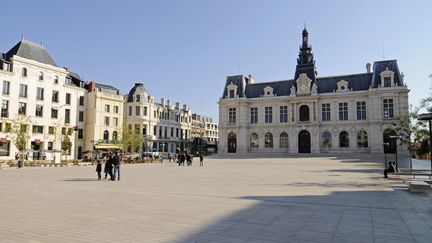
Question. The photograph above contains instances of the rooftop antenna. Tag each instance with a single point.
(22, 37)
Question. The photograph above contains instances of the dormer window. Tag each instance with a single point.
(137, 98)
(268, 91)
(41, 76)
(232, 91)
(342, 86)
(24, 72)
(56, 79)
(387, 78)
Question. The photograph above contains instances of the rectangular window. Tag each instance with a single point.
(5, 108)
(387, 81)
(325, 109)
(177, 132)
(130, 110)
(107, 121)
(268, 115)
(40, 94)
(6, 87)
(144, 129)
(39, 111)
(137, 110)
(361, 110)
(388, 108)
(137, 98)
(283, 113)
(116, 121)
(67, 116)
(107, 108)
(231, 115)
(55, 96)
(54, 113)
(22, 108)
(166, 132)
(343, 111)
(81, 100)
(116, 109)
(50, 146)
(172, 131)
(23, 91)
(37, 129)
(81, 116)
(51, 130)
(145, 110)
(231, 93)
(68, 99)
(154, 130)
(254, 115)
(80, 133)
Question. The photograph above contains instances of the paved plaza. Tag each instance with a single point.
(303, 199)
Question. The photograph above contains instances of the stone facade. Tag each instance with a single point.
(309, 114)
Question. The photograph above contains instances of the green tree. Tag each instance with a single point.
(19, 132)
(130, 139)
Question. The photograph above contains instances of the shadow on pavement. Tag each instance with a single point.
(81, 179)
(354, 216)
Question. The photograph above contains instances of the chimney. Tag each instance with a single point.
(184, 107)
(169, 103)
(177, 106)
(368, 67)
(91, 86)
(162, 102)
(251, 79)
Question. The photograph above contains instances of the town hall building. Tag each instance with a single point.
(311, 114)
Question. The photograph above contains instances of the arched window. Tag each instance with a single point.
(232, 143)
(283, 140)
(56, 79)
(41, 76)
(24, 72)
(253, 141)
(326, 139)
(114, 136)
(106, 135)
(268, 140)
(344, 139)
(304, 113)
(389, 143)
(362, 139)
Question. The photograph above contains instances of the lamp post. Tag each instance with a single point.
(385, 154)
(396, 137)
(428, 117)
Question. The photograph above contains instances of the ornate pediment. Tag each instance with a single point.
(303, 84)
(232, 91)
(268, 91)
(342, 86)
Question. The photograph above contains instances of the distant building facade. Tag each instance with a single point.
(51, 97)
(57, 103)
(311, 114)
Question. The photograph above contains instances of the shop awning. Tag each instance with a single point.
(107, 146)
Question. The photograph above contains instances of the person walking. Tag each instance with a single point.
(201, 160)
(99, 169)
(108, 167)
(116, 161)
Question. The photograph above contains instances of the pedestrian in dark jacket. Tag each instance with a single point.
(109, 167)
(116, 162)
(99, 169)
(201, 160)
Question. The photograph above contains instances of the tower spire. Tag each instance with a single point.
(305, 61)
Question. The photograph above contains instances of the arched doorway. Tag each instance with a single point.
(304, 142)
(232, 143)
(389, 143)
(79, 152)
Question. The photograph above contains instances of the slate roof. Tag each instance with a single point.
(356, 82)
(138, 88)
(32, 51)
(108, 87)
(280, 88)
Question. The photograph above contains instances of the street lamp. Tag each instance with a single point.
(428, 117)
(385, 154)
(396, 137)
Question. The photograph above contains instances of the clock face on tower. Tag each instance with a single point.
(303, 87)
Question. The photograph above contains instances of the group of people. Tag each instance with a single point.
(391, 168)
(112, 166)
(188, 158)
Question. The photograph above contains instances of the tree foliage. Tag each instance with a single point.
(130, 139)
(19, 132)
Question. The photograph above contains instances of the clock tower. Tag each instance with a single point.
(305, 61)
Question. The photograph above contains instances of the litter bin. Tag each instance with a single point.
(20, 163)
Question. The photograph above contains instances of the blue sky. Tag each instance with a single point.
(183, 50)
